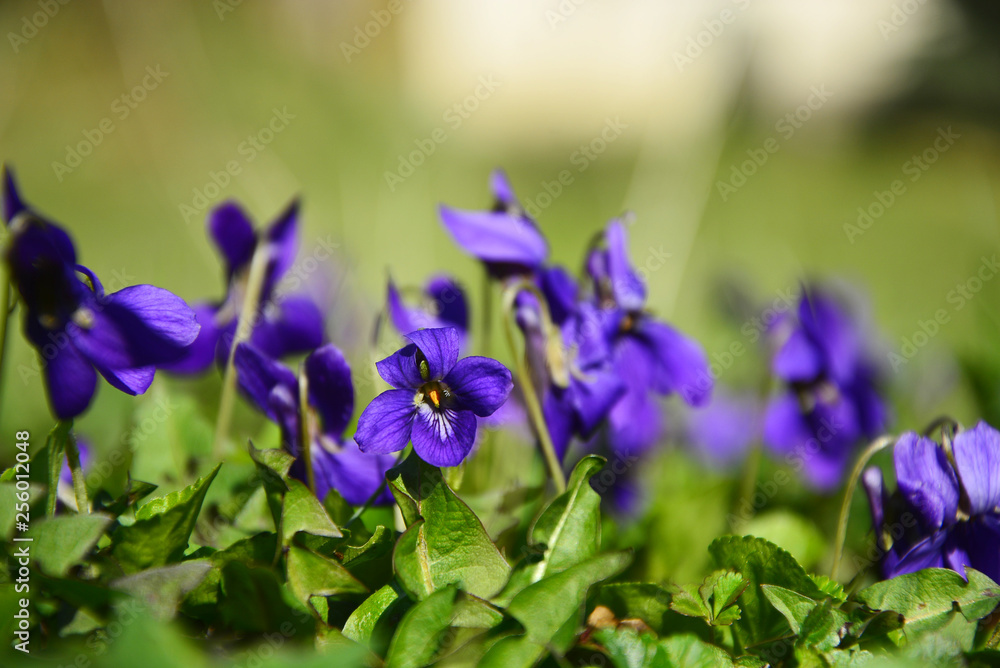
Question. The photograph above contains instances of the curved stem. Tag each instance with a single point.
(527, 387)
(305, 430)
(244, 327)
(876, 446)
(79, 486)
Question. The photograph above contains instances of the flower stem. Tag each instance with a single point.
(79, 486)
(305, 431)
(876, 446)
(244, 327)
(487, 317)
(527, 386)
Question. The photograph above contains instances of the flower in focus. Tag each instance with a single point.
(436, 400)
(651, 357)
(79, 330)
(442, 304)
(504, 238)
(287, 324)
(337, 463)
(830, 401)
(723, 431)
(956, 501)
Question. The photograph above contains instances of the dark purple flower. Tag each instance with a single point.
(442, 304)
(337, 463)
(504, 238)
(286, 324)
(955, 501)
(830, 401)
(436, 400)
(78, 329)
(723, 431)
(580, 395)
(651, 357)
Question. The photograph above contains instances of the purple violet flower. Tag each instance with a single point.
(337, 463)
(79, 330)
(504, 238)
(443, 305)
(723, 431)
(288, 324)
(830, 402)
(956, 501)
(651, 357)
(436, 400)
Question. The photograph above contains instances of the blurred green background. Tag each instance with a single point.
(672, 99)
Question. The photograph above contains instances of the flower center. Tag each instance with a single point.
(434, 394)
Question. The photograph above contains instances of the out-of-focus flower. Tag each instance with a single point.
(956, 501)
(337, 463)
(79, 330)
(723, 431)
(285, 324)
(830, 401)
(436, 400)
(504, 238)
(650, 357)
(442, 304)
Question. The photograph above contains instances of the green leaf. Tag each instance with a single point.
(551, 610)
(629, 649)
(789, 531)
(793, 606)
(927, 598)
(257, 550)
(380, 542)
(273, 465)
(690, 651)
(822, 628)
(714, 600)
(687, 601)
(423, 630)
(302, 511)
(162, 528)
(637, 600)
(445, 543)
(310, 574)
(162, 589)
(253, 600)
(570, 526)
(761, 562)
(373, 622)
(60, 542)
(831, 588)
(136, 491)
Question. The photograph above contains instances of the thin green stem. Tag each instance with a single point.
(876, 446)
(79, 486)
(751, 469)
(487, 316)
(244, 327)
(305, 430)
(527, 386)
